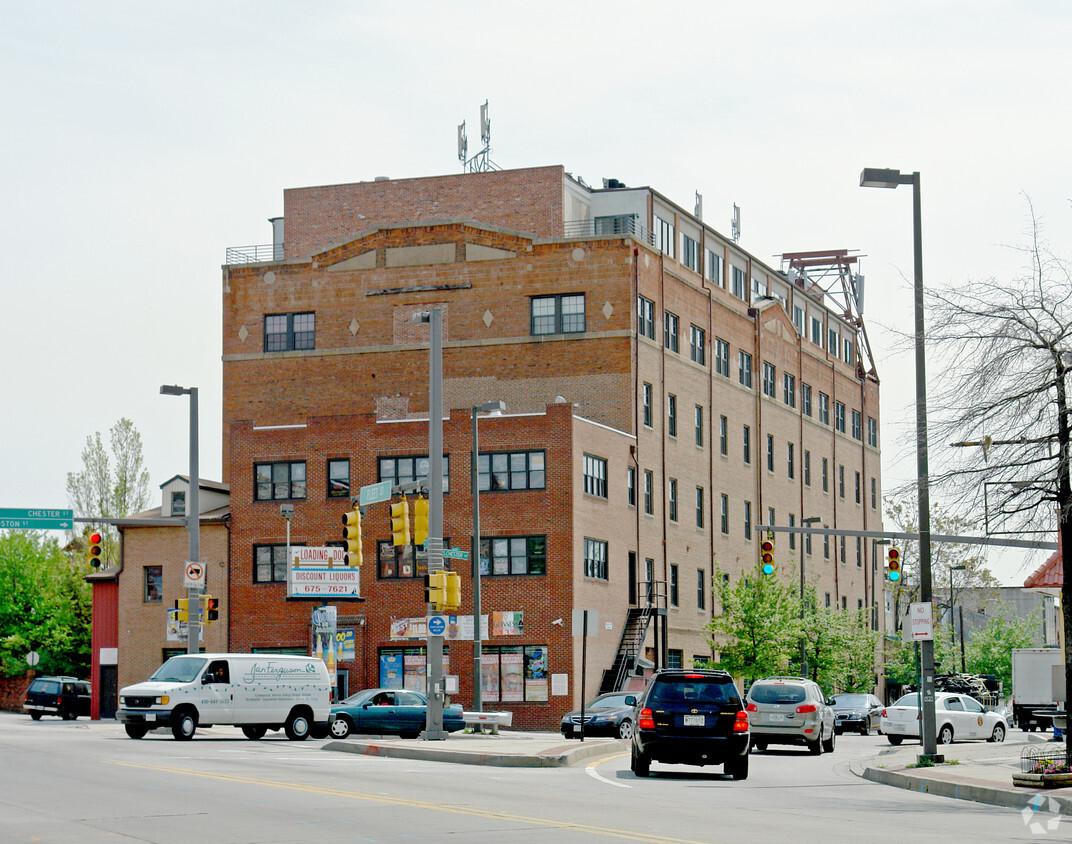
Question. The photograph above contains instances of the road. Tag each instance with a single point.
(75, 782)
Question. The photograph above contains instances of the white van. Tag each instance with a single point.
(257, 692)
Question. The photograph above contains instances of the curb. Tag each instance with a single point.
(551, 759)
(961, 791)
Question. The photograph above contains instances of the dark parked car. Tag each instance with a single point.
(388, 712)
(607, 715)
(690, 717)
(63, 696)
(858, 713)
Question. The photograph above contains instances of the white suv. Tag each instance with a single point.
(790, 710)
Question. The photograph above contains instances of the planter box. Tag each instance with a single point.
(1042, 780)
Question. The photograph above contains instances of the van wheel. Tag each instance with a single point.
(136, 731)
(36, 716)
(185, 724)
(254, 732)
(828, 744)
(894, 740)
(738, 767)
(639, 763)
(297, 726)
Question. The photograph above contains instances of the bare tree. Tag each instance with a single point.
(1007, 346)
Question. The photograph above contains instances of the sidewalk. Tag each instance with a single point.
(508, 749)
(982, 772)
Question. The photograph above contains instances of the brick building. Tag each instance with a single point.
(667, 392)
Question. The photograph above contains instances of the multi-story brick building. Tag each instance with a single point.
(667, 392)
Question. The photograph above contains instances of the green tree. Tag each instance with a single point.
(841, 647)
(989, 650)
(45, 606)
(758, 628)
(99, 491)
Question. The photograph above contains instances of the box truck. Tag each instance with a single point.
(1033, 688)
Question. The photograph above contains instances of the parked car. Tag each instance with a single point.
(63, 696)
(790, 710)
(690, 717)
(956, 717)
(860, 713)
(607, 715)
(388, 712)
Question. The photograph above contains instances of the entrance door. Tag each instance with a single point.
(108, 693)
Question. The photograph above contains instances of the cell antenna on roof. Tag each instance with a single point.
(480, 162)
(735, 223)
(699, 206)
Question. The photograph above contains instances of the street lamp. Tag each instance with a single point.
(495, 407)
(872, 177)
(952, 622)
(193, 520)
(808, 522)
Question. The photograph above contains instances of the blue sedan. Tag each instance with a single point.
(388, 712)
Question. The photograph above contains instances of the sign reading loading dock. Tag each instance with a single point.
(322, 573)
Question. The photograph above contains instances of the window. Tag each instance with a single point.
(807, 468)
(747, 444)
(697, 416)
(748, 520)
(178, 503)
(338, 478)
(744, 369)
(403, 470)
(701, 592)
(770, 452)
(699, 506)
(401, 561)
(714, 268)
(807, 544)
(672, 492)
(828, 599)
(649, 418)
(789, 389)
(859, 554)
(725, 511)
(759, 288)
(769, 380)
(557, 314)
(671, 414)
(697, 345)
(279, 481)
(153, 583)
(798, 319)
(739, 289)
(270, 563)
(872, 432)
(499, 471)
(664, 235)
(674, 597)
(595, 558)
(833, 347)
(675, 658)
(826, 474)
(817, 331)
(858, 490)
(289, 332)
(690, 253)
(874, 493)
(511, 673)
(595, 476)
(848, 351)
(670, 331)
(857, 434)
(770, 516)
(630, 486)
(842, 549)
(824, 408)
(844, 600)
(826, 546)
(645, 318)
(722, 357)
(805, 398)
(841, 481)
(792, 536)
(649, 492)
(723, 437)
(506, 555)
(839, 416)
(789, 461)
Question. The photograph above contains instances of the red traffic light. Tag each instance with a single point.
(93, 552)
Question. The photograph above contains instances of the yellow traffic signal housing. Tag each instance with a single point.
(94, 549)
(420, 521)
(351, 534)
(893, 565)
(435, 589)
(454, 591)
(766, 553)
(400, 522)
(183, 607)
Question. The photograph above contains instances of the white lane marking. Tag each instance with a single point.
(591, 771)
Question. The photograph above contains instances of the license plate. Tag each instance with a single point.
(896, 728)
(693, 720)
(150, 716)
(777, 716)
(576, 728)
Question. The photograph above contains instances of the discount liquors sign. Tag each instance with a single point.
(321, 573)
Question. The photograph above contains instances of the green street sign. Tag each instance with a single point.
(455, 554)
(375, 493)
(36, 519)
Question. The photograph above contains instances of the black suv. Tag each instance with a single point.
(63, 696)
(690, 717)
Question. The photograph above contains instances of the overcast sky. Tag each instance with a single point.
(141, 140)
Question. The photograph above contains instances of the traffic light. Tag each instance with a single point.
(183, 607)
(351, 533)
(93, 551)
(212, 609)
(893, 565)
(766, 553)
(400, 522)
(435, 589)
(420, 521)
(454, 591)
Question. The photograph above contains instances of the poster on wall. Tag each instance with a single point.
(489, 677)
(513, 676)
(507, 623)
(415, 668)
(391, 670)
(536, 673)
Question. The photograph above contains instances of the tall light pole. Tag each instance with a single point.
(474, 478)
(193, 521)
(873, 177)
(808, 522)
(952, 622)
